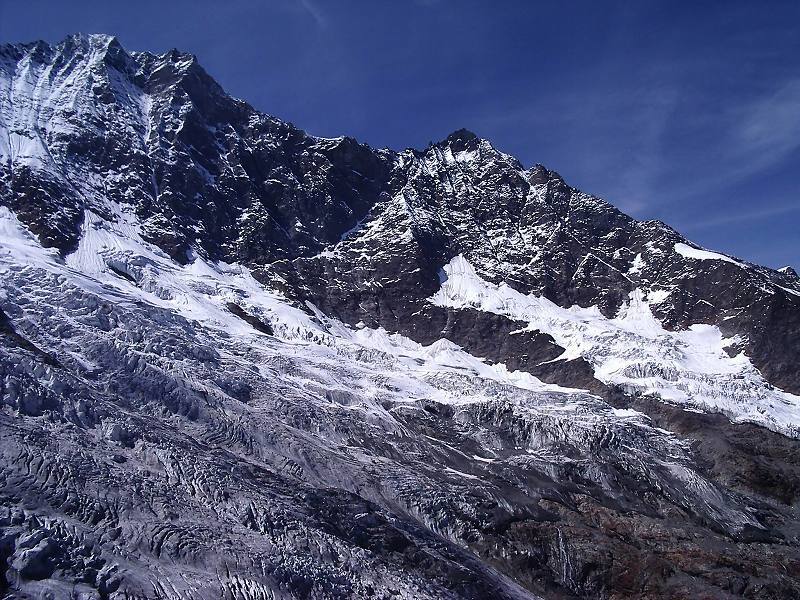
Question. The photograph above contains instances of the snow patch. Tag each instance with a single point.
(637, 265)
(657, 296)
(698, 254)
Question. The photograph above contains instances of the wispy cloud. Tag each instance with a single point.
(608, 139)
(769, 129)
(720, 148)
(660, 142)
(741, 217)
(312, 9)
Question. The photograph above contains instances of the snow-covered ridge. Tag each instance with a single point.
(690, 367)
(697, 254)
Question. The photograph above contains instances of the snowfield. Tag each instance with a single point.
(201, 291)
(690, 368)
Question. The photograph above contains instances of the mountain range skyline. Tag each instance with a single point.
(688, 119)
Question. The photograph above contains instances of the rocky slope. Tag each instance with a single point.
(238, 360)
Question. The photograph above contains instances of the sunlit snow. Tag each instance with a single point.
(689, 367)
(697, 254)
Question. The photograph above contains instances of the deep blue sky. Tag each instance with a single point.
(688, 112)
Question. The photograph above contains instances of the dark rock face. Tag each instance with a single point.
(205, 172)
(254, 321)
(789, 273)
(172, 429)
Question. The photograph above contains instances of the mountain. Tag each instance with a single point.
(238, 360)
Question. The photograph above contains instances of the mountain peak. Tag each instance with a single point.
(97, 42)
(95, 39)
(183, 58)
(462, 135)
(538, 173)
(461, 139)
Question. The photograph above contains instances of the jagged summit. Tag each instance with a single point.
(461, 139)
(100, 41)
(461, 134)
(240, 360)
(95, 39)
(75, 46)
